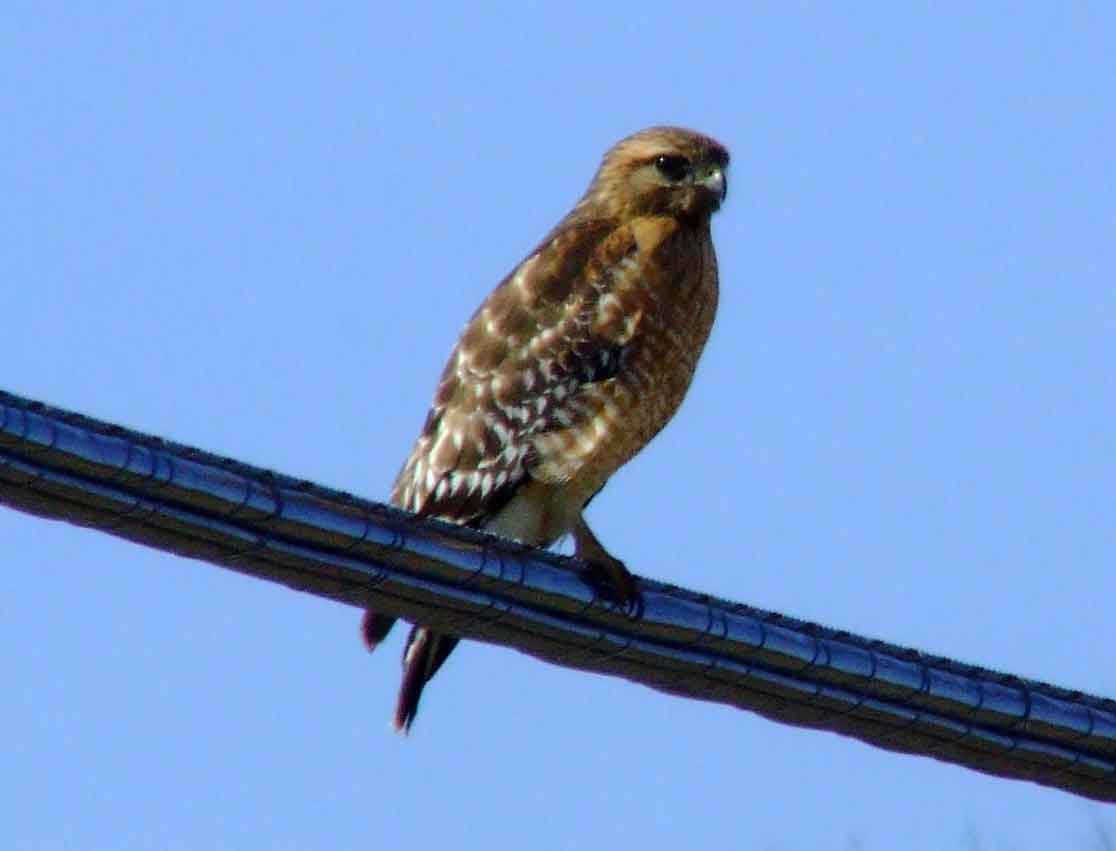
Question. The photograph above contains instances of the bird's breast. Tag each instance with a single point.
(676, 305)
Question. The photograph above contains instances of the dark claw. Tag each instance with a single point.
(612, 581)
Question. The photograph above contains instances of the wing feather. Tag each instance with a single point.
(555, 326)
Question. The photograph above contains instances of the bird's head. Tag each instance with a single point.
(668, 171)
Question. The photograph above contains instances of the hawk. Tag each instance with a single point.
(571, 365)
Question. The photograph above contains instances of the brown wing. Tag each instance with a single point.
(544, 334)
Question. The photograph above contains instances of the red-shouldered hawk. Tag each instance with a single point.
(570, 366)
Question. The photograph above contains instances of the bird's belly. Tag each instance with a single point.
(620, 417)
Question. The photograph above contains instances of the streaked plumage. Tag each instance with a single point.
(570, 366)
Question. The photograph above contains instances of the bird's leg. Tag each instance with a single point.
(606, 573)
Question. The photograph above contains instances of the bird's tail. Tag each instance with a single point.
(374, 628)
(422, 657)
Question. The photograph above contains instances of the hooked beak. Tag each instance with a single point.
(717, 185)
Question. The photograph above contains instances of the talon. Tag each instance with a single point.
(612, 580)
(606, 573)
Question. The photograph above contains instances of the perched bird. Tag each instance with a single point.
(569, 367)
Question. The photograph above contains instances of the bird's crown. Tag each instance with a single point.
(662, 171)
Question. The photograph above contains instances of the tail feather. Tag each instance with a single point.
(422, 657)
(374, 628)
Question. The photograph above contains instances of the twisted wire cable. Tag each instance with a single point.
(61, 465)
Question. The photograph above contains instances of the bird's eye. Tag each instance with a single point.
(672, 166)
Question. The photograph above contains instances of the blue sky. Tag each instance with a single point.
(257, 228)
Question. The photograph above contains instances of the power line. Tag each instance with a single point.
(62, 465)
